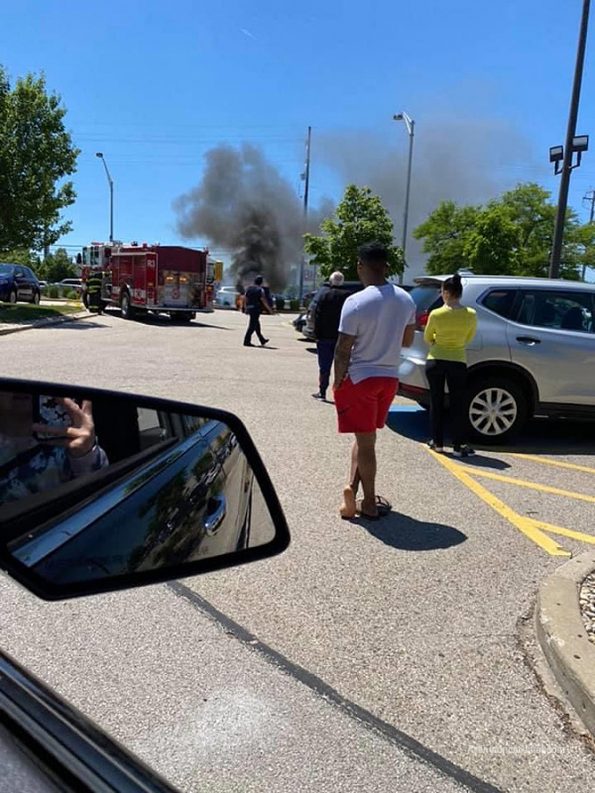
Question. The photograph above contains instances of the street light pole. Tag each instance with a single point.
(568, 148)
(111, 195)
(410, 124)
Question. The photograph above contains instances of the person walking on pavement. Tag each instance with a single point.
(375, 324)
(327, 314)
(254, 304)
(449, 330)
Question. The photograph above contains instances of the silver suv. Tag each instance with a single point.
(534, 352)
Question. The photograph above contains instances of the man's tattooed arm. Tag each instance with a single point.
(342, 357)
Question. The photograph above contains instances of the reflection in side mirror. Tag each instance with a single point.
(102, 491)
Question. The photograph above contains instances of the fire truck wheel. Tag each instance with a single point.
(182, 316)
(126, 308)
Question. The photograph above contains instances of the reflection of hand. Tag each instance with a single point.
(79, 438)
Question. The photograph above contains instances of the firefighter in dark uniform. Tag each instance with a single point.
(94, 286)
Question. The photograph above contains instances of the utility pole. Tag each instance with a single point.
(568, 148)
(306, 177)
(590, 196)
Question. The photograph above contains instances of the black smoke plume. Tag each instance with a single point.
(243, 204)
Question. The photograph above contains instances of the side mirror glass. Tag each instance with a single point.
(102, 491)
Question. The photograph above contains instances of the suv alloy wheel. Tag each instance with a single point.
(497, 409)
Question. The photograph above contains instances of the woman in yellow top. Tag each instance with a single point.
(449, 330)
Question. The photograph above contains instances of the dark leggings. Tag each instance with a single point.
(454, 374)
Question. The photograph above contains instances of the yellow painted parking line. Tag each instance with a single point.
(526, 525)
(510, 480)
(571, 533)
(557, 463)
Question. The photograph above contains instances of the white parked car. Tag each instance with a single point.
(226, 296)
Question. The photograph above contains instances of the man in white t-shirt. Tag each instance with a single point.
(375, 324)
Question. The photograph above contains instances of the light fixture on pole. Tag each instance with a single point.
(111, 195)
(410, 124)
(573, 143)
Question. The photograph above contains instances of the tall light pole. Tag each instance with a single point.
(410, 124)
(111, 195)
(568, 148)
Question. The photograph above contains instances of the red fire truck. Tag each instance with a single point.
(159, 278)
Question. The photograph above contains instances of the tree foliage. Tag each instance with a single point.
(511, 235)
(56, 266)
(21, 256)
(359, 218)
(36, 153)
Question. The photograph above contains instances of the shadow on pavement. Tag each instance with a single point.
(481, 461)
(166, 322)
(408, 534)
(553, 436)
(80, 324)
(540, 436)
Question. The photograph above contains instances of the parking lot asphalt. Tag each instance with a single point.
(413, 621)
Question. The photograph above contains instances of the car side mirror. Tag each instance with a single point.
(101, 490)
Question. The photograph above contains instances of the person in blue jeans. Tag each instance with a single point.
(327, 314)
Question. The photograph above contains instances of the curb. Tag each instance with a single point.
(43, 322)
(563, 638)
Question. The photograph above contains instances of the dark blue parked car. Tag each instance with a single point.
(18, 282)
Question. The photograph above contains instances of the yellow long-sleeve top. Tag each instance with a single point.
(448, 332)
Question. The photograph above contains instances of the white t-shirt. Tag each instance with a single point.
(377, 317)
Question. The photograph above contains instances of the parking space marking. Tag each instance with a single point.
(557, 463)
(537, 531)
(510, 480)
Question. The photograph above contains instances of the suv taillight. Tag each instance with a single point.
(421, 320)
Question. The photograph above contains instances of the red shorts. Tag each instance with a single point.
(363, 407)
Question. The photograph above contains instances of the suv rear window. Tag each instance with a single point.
(500, 301)
(424, 298)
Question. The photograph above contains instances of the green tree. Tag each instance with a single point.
(444, 234)
(21, 256)
(511, 235)
(585, 240)
(359, 218)
(36, 153)
(57, 266)
(492, 244)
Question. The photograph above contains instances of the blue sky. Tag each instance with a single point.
(154, 85)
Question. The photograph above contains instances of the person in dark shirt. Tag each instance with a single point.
(327, 314)
(254, 304)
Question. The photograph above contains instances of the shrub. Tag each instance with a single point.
(72, 294)
(52, 291)
(279, 303)
(294, 305)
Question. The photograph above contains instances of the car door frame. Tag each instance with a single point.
(515, 330)
(69, 749)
